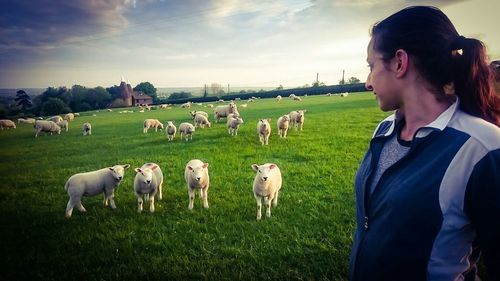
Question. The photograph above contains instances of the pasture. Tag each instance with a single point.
(308, 236)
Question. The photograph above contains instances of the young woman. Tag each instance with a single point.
(428, 189)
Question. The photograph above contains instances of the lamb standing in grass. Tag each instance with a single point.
(267, 184)
(69, 117)
(147, 183)
(46, 126)
(87, 129)
(152, 123)
(187, 130)
(64, 124)
(233, 124)
(282, 124)
(222, 111)
(194, 113)
(201, 120)
(170, 130)
(297, 118)
(92, 183)
(196, 176)
(6, 123)
(264, 131)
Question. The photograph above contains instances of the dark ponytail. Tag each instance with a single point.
(442, 57)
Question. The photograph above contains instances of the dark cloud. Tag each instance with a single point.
(27, 24)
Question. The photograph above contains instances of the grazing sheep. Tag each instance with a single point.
(64, 124)
(297, 118)
(186, 105)
(109, 110)
(210, 105)
(244, 105)
(170, 130)
(201, 120)
(77, 114)
(233, 123)
(345, 94)
(148, 182)
(55, 119)
(221, 101)
(193, 113)
(196, 176)
(105, 181)
(266, 184)
(186, 129)
(297, 98)
(46, 126)
(152, 123)
(278, 98)
(6, 123)
(222, 111)
(264, 131)
(87, 129)
(26, 121)
(282, 124)
(69, 117)
(292, 96)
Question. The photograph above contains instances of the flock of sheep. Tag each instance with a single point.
(149, 178)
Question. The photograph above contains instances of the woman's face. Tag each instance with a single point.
(381, 80)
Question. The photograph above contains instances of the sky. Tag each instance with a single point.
(189, 43)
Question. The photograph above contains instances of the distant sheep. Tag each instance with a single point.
(193, 113)
(244, 105)
(6, 123)
(297, 118)
(233, 124)
(55, 119)
(148, 183)
(170, 130)
(46, 126)
(105, 181)
(187, 130)
(266, 185)
(26, 121)
(186, 105)
(151, 123)
(196, 176)
(201, 120)
(64, 124)
(264, 131)
(278, 97)
(222, 111)
(292, 96)
(282, 125)
(297, 98)
(345, 94)
(210, 105)
(87, 129)
(109, 110)
(77, 114)
(69, 117)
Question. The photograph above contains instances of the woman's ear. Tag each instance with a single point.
(401, 62)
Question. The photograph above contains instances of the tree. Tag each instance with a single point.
(280, 87)
(23, 100)
(148, 89)
(216, 89)
(97, 97)
(353, 80)
(54, 106)
(318, 84)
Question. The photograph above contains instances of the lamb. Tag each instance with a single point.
(46, 126)
(87, 129)
(105, 181)
(297, 118)
(233, 124)
(222, 111)
(264, 131)
(148, 182)
(278, 98)
(186, 105)
(69, 117)
(186, 129)
(345, 94)
(282, 124)
(170, 130)
(292, 96)
(297, 98)
(77, 114)
(193, 113)
(201, 120)
(152, 123)
(64, 124)
(55, 119)
(6, 123)
(26, 121)
(196, 176)
(266, 184)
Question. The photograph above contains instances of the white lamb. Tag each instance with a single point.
(297, 98)
(292, 96)
(64, 124)
(187, 130)
(345, 94)
(47, 127)
(222, 111)
(278, 97)
(282, 124)
(152, 123)
(186, 105)
(6, 123)
(69, 117)
(297, 118)
(87, 129)
(201, 120)
(55, 119)
(193, 113)
(148, 182)
(92, 183)
(196, 176)
(233, 124)
(267, 184)
(264, 130)
(170, 130)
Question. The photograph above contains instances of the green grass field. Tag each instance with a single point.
(308, 236)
